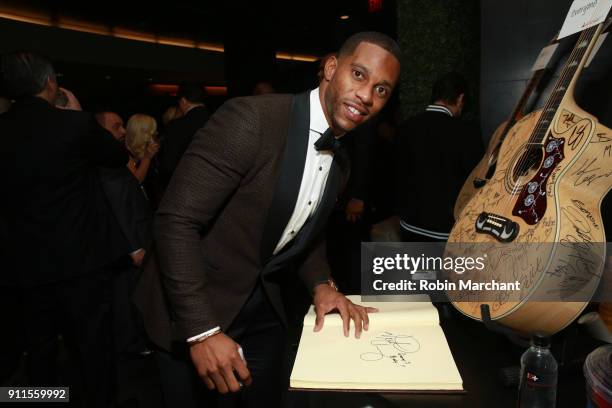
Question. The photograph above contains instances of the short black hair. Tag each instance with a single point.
(448, 87)
(372, 37)
(25, 73)
(193, 92)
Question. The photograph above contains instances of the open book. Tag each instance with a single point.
(403, 350)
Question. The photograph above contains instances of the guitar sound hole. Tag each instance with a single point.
(527, 165)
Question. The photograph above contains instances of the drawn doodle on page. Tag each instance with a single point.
(393, 347)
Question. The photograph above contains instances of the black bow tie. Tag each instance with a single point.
(328, 141)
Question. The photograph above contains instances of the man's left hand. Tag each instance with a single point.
(327, 299)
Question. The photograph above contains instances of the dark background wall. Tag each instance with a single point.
(494, 43)
(437, 36)
(85, 48)
(512, 35)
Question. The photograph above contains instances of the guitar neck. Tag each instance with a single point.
(565, 84)
(517, 113)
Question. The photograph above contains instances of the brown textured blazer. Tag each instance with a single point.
(223, 213)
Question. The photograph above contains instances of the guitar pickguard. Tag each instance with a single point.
(531, 203)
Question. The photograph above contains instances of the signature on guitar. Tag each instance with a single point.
(586, 173)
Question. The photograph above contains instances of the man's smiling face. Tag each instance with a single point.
(358, 86)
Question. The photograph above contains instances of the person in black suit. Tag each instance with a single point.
(180, 132)
(58, 234)
(435, 153)
(130, 206)
(246, 211)
(113, 123)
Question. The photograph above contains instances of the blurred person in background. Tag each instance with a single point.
(132, 210)
(179, 133)
(172, 113)
(56, 233)
(263, 88)
(113, 123)
(141, 143)
(428, 185)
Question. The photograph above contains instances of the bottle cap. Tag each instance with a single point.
(540, 339)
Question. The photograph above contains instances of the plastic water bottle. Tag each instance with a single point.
(538, 386)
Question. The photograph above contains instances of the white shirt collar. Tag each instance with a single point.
(439, 108)
(318, 122)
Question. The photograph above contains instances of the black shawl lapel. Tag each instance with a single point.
(316, 224)
(290, 177)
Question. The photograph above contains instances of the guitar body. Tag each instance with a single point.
(569, 174)
(482, 172)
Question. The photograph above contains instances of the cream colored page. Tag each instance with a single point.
(405, 349)
(393, 358)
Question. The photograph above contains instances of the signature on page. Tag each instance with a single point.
(392, 347)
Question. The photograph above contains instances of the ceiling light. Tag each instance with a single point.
(128, 34)
(344, 17)
(296, 57)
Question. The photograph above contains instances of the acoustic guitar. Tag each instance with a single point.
(538, 218)
(486, 167)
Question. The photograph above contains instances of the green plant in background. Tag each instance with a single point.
(438, 36)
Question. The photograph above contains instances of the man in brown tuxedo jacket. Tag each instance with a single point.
(247, 206)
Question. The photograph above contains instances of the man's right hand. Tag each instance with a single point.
(215, 359)
(137, 257)
(73, 102)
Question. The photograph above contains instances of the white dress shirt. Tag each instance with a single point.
(316, 170)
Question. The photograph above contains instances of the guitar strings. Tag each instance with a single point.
(540, 131)
(538, 128)
(517, 113)
(541, 128)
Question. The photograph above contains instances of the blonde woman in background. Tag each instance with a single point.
(141, 143)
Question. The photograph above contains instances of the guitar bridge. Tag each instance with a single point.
(500, 228)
